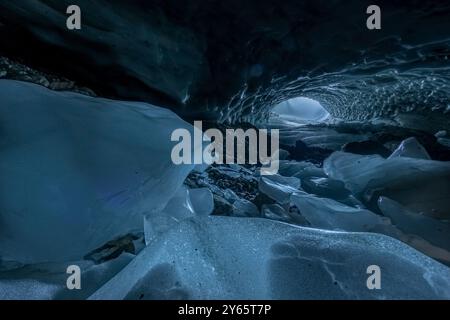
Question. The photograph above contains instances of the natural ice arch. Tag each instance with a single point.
(301, 110)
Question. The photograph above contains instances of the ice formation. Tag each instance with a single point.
(434, 231)
(410, 148)
(263, 259)
(301, 169)
(421, 185)
(308, 232)
(79, 171)
(279, 188)
(363, 180)
(329, 214)
(48, 281)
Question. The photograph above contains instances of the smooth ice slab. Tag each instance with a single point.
(234, 258)
(279, 188)
(79, 171)
(300, 169)
(432, 230)
(421, 185)
(275, 212)
(184, 204)
(329, 214)
(245, 208)
(49, 281)
(202, 201)
(410, 148)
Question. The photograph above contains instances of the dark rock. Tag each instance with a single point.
(17, 71)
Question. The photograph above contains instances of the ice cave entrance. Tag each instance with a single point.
(300, 110)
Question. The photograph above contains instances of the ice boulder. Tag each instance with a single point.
(434, 231)
(410, 148)
(421, 185)
(186, 203)
(275, 212)
(48, 281)
(177, 209)
(233, 258)
(245, 208)
(299, 169)
(79, 171)
(202, 201)
(444, 141)
(279, 188)
(329, 214)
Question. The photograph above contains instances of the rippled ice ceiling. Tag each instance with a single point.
(233, 61)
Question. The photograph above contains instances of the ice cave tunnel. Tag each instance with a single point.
(300, 110)
(87, 179)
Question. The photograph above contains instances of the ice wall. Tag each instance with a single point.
(78, 171)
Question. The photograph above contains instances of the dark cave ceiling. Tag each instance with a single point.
(232, 60)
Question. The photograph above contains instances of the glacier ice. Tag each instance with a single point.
(329, 214)
(410, 148)
(318, 136)
(184, 204)
(301, 110)
(79, 171)
(177, 209)
(325, 187)
(330, 188)
(421, 185)
(47, 281)
(302, 169)
(275, 212)
(444, 141)
(230, 196)
(245, 208)
(279, 188)
(434, 231)
(283, 154)
(202, 201)
(441, 134)
(257, 258)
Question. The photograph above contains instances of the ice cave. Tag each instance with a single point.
(88, 183)
(298, 111)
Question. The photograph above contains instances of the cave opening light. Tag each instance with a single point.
(300, 110)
